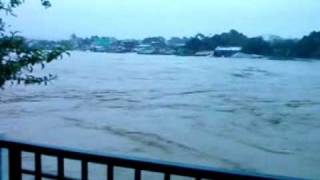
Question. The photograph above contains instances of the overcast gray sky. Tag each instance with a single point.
(141, 18)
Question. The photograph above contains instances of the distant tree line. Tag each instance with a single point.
(275, 46)
(307, 47)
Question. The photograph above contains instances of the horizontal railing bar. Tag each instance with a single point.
(45, 175)
(135, 163)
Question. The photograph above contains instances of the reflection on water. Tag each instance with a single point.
(255, 115)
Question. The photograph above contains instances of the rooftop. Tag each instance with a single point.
(222, 48)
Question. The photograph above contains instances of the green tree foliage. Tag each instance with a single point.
(232, 38)
(283, 48)
(17, 58)
(195, 44)
(202, 43)
(257, 46)
(309, 46)
(159, 41)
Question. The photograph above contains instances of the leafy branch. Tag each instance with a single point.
(17, 58)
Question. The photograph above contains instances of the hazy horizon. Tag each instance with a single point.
(142, 18)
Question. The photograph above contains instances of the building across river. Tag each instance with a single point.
(221, 51)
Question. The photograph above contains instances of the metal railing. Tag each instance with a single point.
(16, 171)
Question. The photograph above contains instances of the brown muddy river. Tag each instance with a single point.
(252, 115)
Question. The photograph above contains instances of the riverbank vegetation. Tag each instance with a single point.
(274, 46)
(270, 46)
(17, 58)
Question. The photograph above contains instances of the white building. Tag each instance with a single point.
(221, 51)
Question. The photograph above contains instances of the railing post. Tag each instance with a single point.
(38, 166)
(15, 172)
(84, 170)
(60, 167)
(137, 174)
(110, 172)
(1, 167)
(166, 176)
(2, 170)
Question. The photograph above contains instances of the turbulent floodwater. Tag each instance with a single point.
(256, 115)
